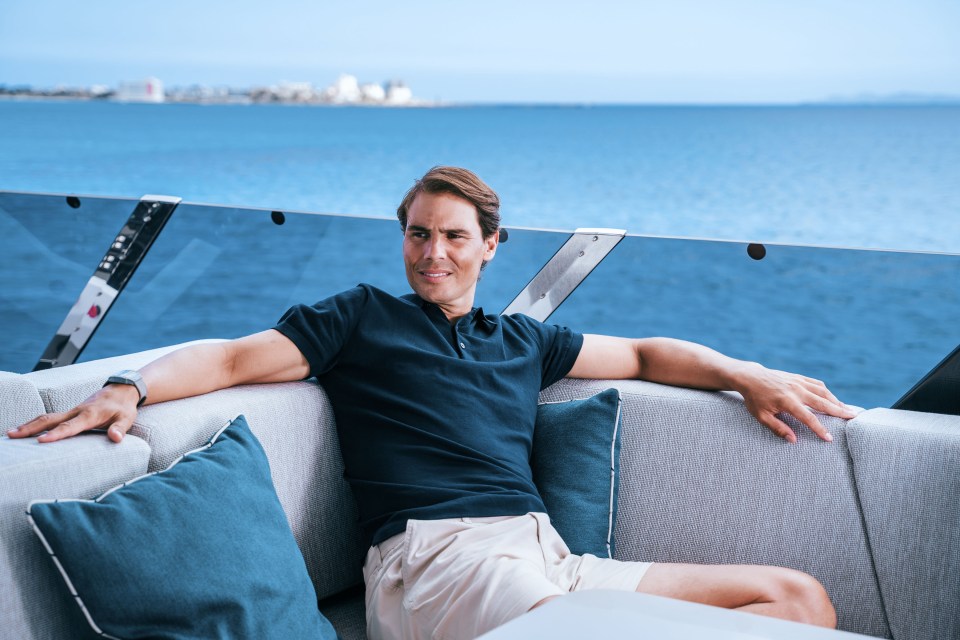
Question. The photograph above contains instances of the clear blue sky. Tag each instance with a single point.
(707, 51)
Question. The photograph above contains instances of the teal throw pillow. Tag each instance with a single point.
(576, 467)
(201, 549)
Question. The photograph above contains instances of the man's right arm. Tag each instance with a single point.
(268, 356)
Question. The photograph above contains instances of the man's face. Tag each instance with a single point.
(443, 248)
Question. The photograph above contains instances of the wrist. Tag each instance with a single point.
(121, 392)
(130, 382)
(741, 375)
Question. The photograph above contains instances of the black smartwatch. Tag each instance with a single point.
(131, 377)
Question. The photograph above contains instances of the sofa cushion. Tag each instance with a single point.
(19, 401)
(907, 466)
(576, 462)
(201, 549)
(33, 602)
(702, 481)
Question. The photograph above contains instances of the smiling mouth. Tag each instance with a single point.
(434, 275)
(430, 273)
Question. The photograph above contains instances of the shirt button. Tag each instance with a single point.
(463, 346)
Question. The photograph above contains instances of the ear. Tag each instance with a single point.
(491, 245)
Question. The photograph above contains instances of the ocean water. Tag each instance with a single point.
(881, 177)
(870, 323)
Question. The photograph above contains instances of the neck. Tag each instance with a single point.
(454, 314)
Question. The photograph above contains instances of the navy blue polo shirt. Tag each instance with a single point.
(435, 420)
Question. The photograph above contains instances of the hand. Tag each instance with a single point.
(114, 407)
(768, 392)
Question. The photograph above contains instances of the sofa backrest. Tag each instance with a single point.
(701, 481)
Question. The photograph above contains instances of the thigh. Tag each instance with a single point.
(720, 585)
(453, 579)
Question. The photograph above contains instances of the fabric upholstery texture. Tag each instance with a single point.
(907, 467)
(576, 461)
(347, 613)
(201, 549)
(702, 481)
(19, 401)
(33, 602)
(294, 423)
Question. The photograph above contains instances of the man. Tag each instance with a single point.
(435, 405)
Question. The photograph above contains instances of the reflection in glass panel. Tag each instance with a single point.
(51, 245)
(868, 323)
(219, 272)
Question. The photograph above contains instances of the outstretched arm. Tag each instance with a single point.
(766, 392)
(263, 357)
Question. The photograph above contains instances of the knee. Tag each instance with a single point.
(804, 599)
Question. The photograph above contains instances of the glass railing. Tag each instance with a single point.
(869, 323)
(214, 272)
(49, 248)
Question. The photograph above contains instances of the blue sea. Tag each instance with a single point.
(819, 177)
(877, 176)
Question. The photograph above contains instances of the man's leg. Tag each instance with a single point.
(770, 591)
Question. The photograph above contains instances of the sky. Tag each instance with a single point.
(603, 51)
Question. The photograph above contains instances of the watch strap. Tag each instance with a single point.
(132, 378)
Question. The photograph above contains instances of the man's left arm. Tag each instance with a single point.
(766, 392)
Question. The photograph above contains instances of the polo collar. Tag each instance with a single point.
(488, 322)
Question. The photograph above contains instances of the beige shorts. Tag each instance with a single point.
(459, 578)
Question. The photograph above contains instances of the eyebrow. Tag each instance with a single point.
(415, 227)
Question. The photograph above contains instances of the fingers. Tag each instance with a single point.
(117, 430)
(40, 424)
(778, 426)
(65, 429)
(57, 426)
(829, 407)
(807, 417)
(824, 401)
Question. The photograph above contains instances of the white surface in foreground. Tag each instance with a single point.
(618, 614)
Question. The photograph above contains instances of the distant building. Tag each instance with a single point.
(372, 92)
(398, 93)
(294, 92)
(344, 90)
(147, 90)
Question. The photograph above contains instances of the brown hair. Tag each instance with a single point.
(462, 183)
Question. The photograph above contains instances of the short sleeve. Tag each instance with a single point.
(321, 330)
(561, 348)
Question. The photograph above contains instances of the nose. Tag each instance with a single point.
(435, 249)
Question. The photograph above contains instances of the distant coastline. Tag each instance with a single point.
(346, 90)
(40, 96)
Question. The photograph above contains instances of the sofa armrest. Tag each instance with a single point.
(19, 401)
(907, 467)
(33, 597)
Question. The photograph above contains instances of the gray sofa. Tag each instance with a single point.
(875, 515)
